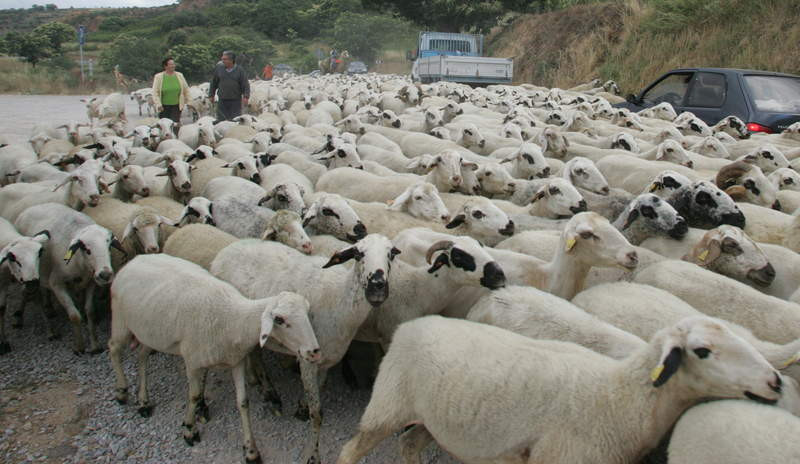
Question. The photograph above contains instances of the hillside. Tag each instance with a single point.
(635, 41)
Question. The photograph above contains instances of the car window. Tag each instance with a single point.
(775, 94)
(708, 90)
(671, 89)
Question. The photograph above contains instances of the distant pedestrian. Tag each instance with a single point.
(170, 91)
(268, 72)
(234, 89)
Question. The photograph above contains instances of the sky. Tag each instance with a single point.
(5, 4)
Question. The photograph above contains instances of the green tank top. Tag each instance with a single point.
(170, 90)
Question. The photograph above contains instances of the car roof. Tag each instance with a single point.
(736, 71)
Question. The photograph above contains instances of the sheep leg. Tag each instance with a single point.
(202, 407)
(115, 346)
(190, 433)
(19, 314)
(62, 295)
(272, 401)
(5, 347)
(310, 375)
(89, 308)
(302, 404)
(145, 408)
(251, 453)
(361, 444)
(412, 442)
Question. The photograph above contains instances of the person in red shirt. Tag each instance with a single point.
(267, 73)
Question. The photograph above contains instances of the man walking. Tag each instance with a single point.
(234, 89)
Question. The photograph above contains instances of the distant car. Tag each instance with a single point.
(357, 67)
(766, 101)
(282, 69)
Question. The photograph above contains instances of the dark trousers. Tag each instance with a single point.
(172, 112)
(229, 109)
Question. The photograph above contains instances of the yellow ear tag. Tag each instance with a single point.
(791, 361)
(703, 256)
(656, 372)
(653, 187)
(571, 243)
(68, 256)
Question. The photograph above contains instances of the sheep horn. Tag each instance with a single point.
(736, 192)
(440, 245)
(731, 173)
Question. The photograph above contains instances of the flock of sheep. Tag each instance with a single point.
(550, 278)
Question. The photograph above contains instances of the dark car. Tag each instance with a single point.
(767, 101)
(356, 67)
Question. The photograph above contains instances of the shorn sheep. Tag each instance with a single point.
(507, 398)
(177, 307)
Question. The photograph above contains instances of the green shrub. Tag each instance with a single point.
(137, 56)
(195, 61)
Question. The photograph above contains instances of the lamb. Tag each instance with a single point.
(767, 225)
(166, 207)
(711, 147)
(554, 198)
(422, 201)
(719, 296)
(129, 181)
(666, 183)
(734, 432)
(536, 314)
(746, 182)
(527, 161)
(554, 427)
(150, 301)
(198, 243)
(275, 175)
(112, 106)
(77, 257)
(633, 174)
(21, 255)
(140, 229)
(340, 298)
(14, 158)
(785, 179)
(206, 169)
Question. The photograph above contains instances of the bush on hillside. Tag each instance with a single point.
(195, 61)
(137, 56)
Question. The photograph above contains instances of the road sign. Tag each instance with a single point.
(81, 34)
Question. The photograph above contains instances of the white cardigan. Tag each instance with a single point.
(158, 82)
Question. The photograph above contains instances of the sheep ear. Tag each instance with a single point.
(311, 213)
(266, 199)
(168, 221)
(269, 234)
(267, 319)
(736, 192)
(398, 203)
(343, 256)
(441, 260)
(457, 221)
(670, 362)
(469, 165)
(634, 214)
(64, 182)
(128, 231)
(705, 252)
(73, 248)
(118, 246)
(42, 237)
(540, 194)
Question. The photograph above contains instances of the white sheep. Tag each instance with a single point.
(746, 182)
(734, 432)
(198, 243)
(536, 314)
(340, 298)
(560, 386)
(77, 255)
(176, 307)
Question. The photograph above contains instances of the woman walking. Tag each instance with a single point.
(170, 91)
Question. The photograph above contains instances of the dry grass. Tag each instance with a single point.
(612, 40)
(21, 78)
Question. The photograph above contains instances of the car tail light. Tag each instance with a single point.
(756, 127)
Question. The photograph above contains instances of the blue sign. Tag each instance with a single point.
(81, 34)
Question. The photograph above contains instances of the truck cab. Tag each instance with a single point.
(457, 57)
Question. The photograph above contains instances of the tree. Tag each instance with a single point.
(249, 51)
(56, 34)
(137, 56)
(195, 61)
(364, 35)
(444, 15)
(34, 48)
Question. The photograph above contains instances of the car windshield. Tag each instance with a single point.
(774, 94)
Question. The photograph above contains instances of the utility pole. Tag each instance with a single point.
(81, 41)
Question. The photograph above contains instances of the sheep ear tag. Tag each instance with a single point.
(791, 361)
(656, 372)
(571, 243)
(702, 256)
(69, 254)
(653, 187)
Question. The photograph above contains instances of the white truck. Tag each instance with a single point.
(444, 56)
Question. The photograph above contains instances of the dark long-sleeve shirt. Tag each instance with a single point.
(232, 84)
